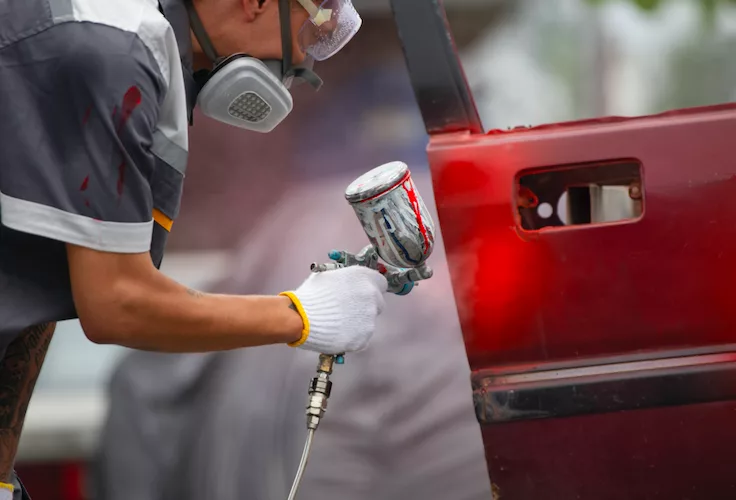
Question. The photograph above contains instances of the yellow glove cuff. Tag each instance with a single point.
(303, 314)
(6, 486)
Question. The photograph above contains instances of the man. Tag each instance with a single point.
(400, 423)
(96, 97)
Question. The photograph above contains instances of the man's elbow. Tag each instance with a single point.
(99, 333)
(109, 319)
(110, 290)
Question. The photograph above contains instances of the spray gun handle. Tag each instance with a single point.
(367, 257)
(400, 281)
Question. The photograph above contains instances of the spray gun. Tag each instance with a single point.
(401, 233)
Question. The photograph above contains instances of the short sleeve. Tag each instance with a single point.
(81, 103)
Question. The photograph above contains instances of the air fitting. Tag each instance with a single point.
(320, 388)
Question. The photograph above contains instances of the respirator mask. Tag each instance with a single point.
(253, 94)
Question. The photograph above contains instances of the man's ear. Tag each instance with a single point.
(254, 8)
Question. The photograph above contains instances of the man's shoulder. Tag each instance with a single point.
(81, 35)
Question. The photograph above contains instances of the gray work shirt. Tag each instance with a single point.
(400, 423)
(95, 99)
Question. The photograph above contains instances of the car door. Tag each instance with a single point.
(592, 266)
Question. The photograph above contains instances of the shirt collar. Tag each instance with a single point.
(175, 12)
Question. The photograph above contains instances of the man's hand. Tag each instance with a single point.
(339, 308)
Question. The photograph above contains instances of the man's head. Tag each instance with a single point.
(258, 48)
(247, 26)
(253, 27)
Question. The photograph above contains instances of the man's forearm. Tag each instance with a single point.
(122, 299)
(19, 371)
(168, 317)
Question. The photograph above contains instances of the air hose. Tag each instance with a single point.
(319, 393)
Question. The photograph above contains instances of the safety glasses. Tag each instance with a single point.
(331, 25)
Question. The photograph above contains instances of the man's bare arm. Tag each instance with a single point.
(19, 372)
(123, 299)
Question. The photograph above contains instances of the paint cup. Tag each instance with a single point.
(393, 215)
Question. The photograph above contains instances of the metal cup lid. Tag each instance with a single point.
(376, 182)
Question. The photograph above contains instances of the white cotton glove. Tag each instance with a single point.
(6, 491)
(339, 309)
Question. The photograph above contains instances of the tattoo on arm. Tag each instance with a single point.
(19, 372)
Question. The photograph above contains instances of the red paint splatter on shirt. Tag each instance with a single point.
(121, 177)
(87, 114)
(131, 100)
(85, 184)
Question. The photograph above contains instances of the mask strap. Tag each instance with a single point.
(200, 33)
(287, 46)
(287, 50)
(308, 76)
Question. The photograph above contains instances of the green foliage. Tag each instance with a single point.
(708, 6)
(643, 4)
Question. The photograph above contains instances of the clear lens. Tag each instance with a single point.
(331, 25)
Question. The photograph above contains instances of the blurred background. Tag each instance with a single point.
(528, 62)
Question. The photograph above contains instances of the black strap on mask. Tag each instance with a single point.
(201, 34)
(287, 50)
(286, 41)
